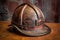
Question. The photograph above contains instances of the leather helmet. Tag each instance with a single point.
(29, 20)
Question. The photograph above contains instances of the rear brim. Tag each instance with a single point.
(37, 32)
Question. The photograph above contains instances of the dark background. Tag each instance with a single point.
(50, 8)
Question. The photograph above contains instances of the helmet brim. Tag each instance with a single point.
(37, 32)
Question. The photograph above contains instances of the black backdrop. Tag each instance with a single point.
(50, 8)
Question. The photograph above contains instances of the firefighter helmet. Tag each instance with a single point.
(29, 20)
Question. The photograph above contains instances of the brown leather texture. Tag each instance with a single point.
(27, 15)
